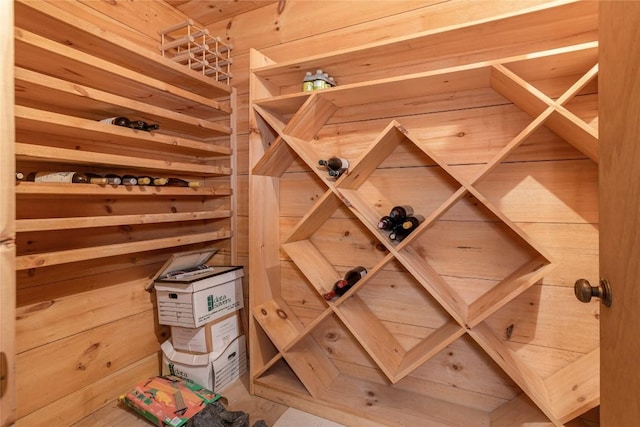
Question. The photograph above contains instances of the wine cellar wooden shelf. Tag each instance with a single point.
(70, 74)
(486, 140)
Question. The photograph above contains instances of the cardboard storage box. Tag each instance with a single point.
(192, 298)
(213, 371)
(212, 337)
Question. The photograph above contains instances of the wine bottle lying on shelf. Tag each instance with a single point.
(20, 176)
(386, 223)
(341, 287)
(148, 180)
(141, 125)
(129, 180)
(400, 213)
(401, 231)
(118, 121)
(71, 177)
(103, 179)
(144, 180)
(113, 179)
(177, 182)
(134, 124)
(396, 217)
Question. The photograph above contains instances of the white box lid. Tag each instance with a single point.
(218, 275)
(183, 260)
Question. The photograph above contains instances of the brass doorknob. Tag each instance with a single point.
(584, 291)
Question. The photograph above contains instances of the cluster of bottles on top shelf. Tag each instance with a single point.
(133, 124)
(350, 278)
(318, 81)
(335, 166)
(103, 179)
(400, 222)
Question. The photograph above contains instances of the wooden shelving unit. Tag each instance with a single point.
(378, 351)
(86, 254)
(69, 75)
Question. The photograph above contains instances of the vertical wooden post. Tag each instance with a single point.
(264, 246)
(7, 221)
(233, 162)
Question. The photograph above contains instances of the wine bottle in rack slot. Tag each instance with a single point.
(149, 180)
(386, 223)
(70, 177)
(113, 179)
(318, 80)
(142, 125)
(307, 82)
(133, 124)
(177, 182)
(160, 181)
(20, 176)
(145, 180)
(129, 180)
(401, 231)
(399, 213)
(341, 287)
(117, 121)
(335, 166)
(97, 179)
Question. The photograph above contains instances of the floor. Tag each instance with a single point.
(239, 399)
(293, 417)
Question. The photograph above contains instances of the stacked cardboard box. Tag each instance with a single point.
(201, 304)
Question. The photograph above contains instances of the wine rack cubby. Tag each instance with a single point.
(453, 325)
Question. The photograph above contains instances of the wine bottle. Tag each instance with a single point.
(399, 213)
(334, 163)
(401, 231)
(177, 182)
(307, 82)
(336, 166)
(134, 124)
(144, 180)
(160, 181)
(20, 176)
(74, 177)
(337, 174)
(351, 277)
(386, 223)
(318, 80)
(118, 121)
(94, 178)
(142, 125)
(129, 180)
(113, 179)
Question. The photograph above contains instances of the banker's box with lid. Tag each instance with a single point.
(214, 370)
(190, 297)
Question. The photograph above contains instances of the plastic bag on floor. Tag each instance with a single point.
(215, 415)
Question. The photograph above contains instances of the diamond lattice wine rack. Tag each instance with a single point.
(471, 319)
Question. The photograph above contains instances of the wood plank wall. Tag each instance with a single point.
(294, 29)
(76, 344)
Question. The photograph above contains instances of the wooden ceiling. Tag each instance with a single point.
(207, 12)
